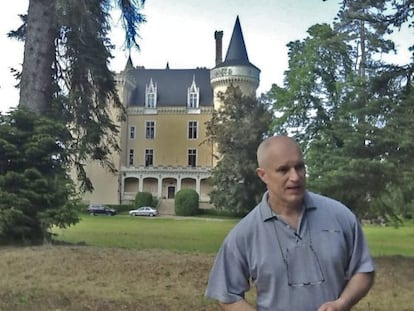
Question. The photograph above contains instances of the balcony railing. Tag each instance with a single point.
(166, 168)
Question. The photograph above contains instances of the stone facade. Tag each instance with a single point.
(163, 140)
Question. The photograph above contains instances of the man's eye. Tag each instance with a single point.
(282, 170)
(300, 167)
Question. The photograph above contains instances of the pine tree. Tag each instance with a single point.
(36, 192)
(64, 115)
(65, 73)
(345, 104)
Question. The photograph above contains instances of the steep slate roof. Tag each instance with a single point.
(236, 53)
(172, 86)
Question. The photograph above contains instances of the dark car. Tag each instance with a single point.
(99, 209)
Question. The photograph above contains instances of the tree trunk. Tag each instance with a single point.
(39, 54)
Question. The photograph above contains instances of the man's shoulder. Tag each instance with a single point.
(322, 203)
(252, 217)
(313, 198)
(248, 223)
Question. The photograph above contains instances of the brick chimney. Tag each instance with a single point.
(218, 35)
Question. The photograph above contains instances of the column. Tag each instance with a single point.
(159, 186)
(198, 185)
(178, 183)
(140, 184)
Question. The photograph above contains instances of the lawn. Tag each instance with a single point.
(385, 241)
(162, 264)
(202, 235)
(175, 234)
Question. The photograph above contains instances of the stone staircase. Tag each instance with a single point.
(166, 207)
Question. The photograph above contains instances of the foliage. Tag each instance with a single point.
(394, 201)
(144, 199)
(35, 191)
(237, 128)
(218, 213)
(121, 208)
(351, 110)
(65, 73)
(186, 202)
(68, 89)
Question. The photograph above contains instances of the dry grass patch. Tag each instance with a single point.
(69, 278)
(394, 285)
(90, 278)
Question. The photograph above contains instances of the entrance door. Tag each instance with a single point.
(171, 192)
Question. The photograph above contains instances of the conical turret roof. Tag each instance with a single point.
(237, 48)
(236, 53)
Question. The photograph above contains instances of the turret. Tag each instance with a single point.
(236, 69)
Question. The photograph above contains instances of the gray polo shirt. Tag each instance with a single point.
(291, 270)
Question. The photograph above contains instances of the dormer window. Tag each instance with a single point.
(193, 95)
(151, 95)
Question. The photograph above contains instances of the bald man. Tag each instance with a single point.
(302, 251)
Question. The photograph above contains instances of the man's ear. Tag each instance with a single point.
(261, 173)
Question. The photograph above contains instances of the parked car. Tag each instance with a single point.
(99, 209)
(144, 211)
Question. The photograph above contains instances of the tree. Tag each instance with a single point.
(315, 83)
(65, 72)
(345, 104)
(237, 129)
(64, 115)
(36, 192)
(398, 196)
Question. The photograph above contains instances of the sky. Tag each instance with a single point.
(181, 33)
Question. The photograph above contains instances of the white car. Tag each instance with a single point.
(144, 211)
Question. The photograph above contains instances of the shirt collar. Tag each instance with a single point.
(267, 212)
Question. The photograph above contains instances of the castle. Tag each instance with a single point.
(163, 140)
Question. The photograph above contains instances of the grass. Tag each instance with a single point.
(176, 234)
(202, 235)
(162, 264)
(386, 241)
(77, 278)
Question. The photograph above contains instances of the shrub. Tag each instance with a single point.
(155, 202)
(186, 202)
(215, 212)
(143, 199)
(122, 208)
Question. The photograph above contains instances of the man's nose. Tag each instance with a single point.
(294, 174)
